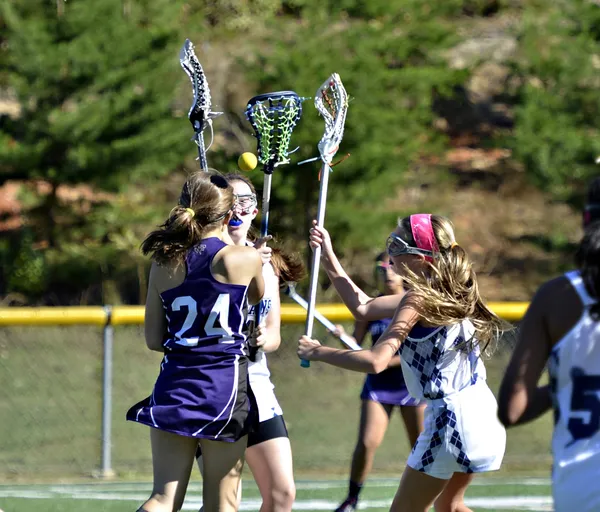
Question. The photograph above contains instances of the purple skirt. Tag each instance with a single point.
(195, 398)
(388, 388)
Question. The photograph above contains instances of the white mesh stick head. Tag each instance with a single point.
(331, 100)
(200, 111)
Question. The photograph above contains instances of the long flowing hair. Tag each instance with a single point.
(449, 293)
(205, 201)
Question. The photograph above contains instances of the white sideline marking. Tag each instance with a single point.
(532, 503)
(393, 482)
(305, 485)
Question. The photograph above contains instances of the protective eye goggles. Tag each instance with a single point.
(382, 266)
(395, 246)
(245, 203)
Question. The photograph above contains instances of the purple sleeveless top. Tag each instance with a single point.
(205, 316)
(202, 389)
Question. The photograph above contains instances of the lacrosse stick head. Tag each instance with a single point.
(273, 117)
(331, 100)
(200, 114)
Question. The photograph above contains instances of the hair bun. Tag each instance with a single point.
(219, 181)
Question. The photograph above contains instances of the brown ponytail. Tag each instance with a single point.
(205, 201)
(288, 266)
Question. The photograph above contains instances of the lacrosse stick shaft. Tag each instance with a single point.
(201, 151)
(252, 350)
(264, 223)
(344, 338)
(264, 227)
(314, 270)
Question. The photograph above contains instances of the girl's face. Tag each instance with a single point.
(415, 262)
(388, 281)
(244, 211)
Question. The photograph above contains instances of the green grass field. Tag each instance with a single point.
(486, 494)
(50, 426)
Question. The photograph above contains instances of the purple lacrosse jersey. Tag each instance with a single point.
(202, 388)
(387, 387)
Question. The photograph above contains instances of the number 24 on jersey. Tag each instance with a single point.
(217, 322)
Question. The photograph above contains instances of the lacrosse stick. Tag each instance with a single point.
(273, 117)
(200, 114)
(253, 321)
(290, 291)
(331, 101)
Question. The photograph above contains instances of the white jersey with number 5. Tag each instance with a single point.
(574, 368)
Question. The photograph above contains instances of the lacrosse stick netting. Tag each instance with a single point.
(273, 117)
(331, 101)
(200, 114)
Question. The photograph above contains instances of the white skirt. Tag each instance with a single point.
(462, 435)
(268, 406)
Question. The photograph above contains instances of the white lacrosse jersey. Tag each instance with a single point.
(258, 370)
(574, 368)
(435, 363)
(462, 433)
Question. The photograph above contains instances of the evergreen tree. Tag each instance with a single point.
(95, 84)
(391, 63)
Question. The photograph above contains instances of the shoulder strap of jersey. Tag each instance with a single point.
(202, 255)
(574, 276)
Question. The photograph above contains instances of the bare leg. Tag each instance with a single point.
(452, 498)
(374, 421)
(413, 417)
(172, 460)
(271, 466)
(223, 463)
(417, 492)
(200, 461)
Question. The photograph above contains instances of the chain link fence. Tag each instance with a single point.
(50, 401)
(51, 407)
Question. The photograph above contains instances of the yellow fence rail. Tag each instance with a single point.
(108, 316)
(129, 315)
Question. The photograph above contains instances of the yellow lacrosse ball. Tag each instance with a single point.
(247, 161)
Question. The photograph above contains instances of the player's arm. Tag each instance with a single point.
(256, 288)
(243, 266)
(374, 360)
(360, 331)
(269, 339)
(521, 399)
(395, 362)
(361, 306)
(361, 328)
(155, 322)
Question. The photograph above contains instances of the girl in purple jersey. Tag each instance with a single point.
(198, 290)
(269, 453)
(381, 393)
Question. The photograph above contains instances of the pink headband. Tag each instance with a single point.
(422, 232)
